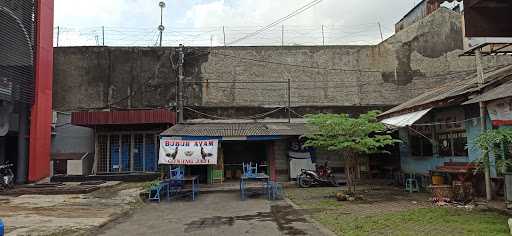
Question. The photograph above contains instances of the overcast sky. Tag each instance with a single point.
(199, 22)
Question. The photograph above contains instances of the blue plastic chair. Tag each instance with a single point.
(177, 173)
(156, 191)
(274, 190)
(249, 169)
(176, 176)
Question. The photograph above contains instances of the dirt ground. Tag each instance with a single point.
(72, 214)
(215, 214)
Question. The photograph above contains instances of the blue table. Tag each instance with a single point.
(244, 179)
(194, 180)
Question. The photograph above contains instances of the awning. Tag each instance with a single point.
(406, 119)
(130, 117)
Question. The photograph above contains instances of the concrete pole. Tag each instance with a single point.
(481, 81)
(180, 82)
(161, 23)
(289, 101)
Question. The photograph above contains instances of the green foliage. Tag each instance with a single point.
(492, 141)
(340, 132)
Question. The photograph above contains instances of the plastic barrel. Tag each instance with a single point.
(1, 228)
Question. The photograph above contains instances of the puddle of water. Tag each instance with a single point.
(282, 215)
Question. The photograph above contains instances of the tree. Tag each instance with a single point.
(492, 142)
(351, 137)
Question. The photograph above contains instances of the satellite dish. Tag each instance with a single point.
(5, 114)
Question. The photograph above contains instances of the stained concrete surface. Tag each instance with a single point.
(215, 214)
(69, 214)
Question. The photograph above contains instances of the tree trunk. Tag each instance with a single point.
(350, 162)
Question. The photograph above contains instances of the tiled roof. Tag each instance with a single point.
(236, 129)
(449, 92)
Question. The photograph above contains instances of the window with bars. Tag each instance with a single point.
(126, 152)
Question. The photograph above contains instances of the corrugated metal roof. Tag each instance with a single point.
(449, 92)
(406, 119)
(155, 116)
(502, 91)
(236, 129)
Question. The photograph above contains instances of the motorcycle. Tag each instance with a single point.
(323, 175)
(6, 177)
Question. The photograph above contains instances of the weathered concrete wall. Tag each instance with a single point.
(71, 139)
(402, 67)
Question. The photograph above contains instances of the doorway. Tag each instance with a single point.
(235, 153)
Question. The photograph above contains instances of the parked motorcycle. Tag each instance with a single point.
(323, 175)
(6, 177)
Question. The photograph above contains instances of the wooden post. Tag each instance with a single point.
(481, 81)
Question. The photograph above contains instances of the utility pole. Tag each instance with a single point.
(161, 27)
(103, 35)
(380, 30)
(481, 81)
(282, 35)
(323, 36)
(289, 101)
(224, 33)
(58, 35)
(181, 60)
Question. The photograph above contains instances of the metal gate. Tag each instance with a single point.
(126, 152)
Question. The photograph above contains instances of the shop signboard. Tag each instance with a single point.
(188, 152)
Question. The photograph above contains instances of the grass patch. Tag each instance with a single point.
(345, 218)
(422, 221)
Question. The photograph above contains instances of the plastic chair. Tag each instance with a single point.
(411, 183)
(156, 191)
(217, 175)
(177, 173)
(274, 190)
(249, 169)
(176, 182)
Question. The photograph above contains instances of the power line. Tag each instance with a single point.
(294, 13)
(256, 116)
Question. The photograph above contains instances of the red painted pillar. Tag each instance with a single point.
(41, 114)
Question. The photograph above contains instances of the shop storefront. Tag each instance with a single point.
(125, 141)
(216, 151)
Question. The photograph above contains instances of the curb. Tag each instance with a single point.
(320, 227)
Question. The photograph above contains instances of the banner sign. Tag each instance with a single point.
(188, 152)
(500, 112)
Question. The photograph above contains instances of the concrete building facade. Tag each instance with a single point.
(220, 82)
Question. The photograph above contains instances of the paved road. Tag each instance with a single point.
(219, 214)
